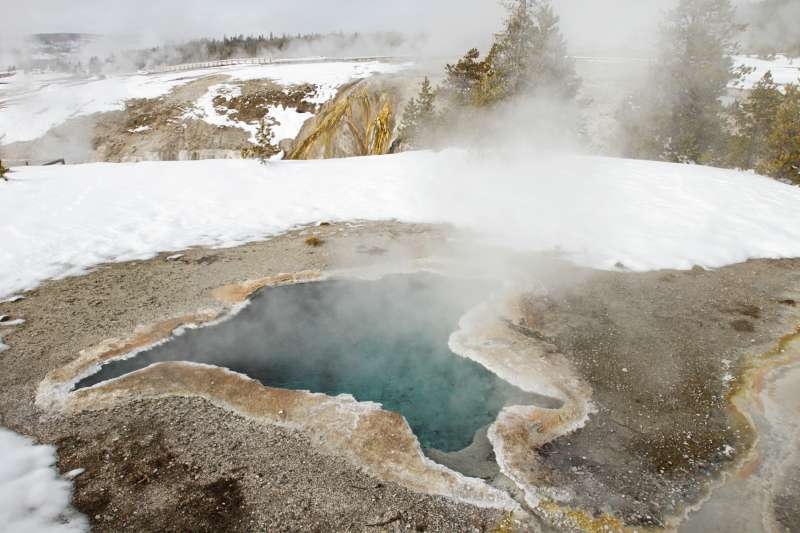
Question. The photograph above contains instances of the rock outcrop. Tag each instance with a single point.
(361, 120)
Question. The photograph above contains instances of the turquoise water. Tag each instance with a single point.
(382, 341)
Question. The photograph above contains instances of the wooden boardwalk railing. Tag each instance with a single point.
(261, 61)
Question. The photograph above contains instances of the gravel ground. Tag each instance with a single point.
(184, 465)
(662, 352)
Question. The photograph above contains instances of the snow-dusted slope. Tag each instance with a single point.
(32, 104)
(33, 498)
(328, 77)
(59, 221)
(288, 122)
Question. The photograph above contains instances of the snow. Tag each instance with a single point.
(728, 450)
(62, 220)
(328, 77)
(204, 109)
(784, 69)
(72, 474)
(139, 129)
(33, 499)
(289, 121)
(34, 103)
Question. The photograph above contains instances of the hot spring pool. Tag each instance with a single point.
(383, 341)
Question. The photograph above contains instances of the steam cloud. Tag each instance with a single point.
(451, 26)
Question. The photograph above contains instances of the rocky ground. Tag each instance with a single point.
(184, 465)
(157, 129)
(361, 120)
(645, 342)
(664, 353)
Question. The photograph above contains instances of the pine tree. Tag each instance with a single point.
(418, 125)
(681, 109)
(783, 145)
(753, 120)
(426, 100)
(530, 55)
(464, 79)
(3, 169)
(528, 58)
(554, 69)
(265, 146)
(95, 67)
(409, 126)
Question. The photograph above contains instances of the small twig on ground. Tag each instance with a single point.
(393, 518)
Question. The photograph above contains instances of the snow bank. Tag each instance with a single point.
(784, 69)
(61, 220)
(36, 103)
(33, 498)
(288, 122)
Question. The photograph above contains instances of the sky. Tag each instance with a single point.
(586, 23)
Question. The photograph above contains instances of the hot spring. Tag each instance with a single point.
(383, 341)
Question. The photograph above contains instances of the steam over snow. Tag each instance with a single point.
(33, 498)
(784, 69)
(59, 221)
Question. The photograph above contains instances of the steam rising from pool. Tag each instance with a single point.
(382, 341)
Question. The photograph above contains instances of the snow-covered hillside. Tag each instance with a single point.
(59, 221)
(34, 103)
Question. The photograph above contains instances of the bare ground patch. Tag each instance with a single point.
(663, 353)
(257, 96)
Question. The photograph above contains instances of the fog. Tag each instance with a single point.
(440, 29)
(775, 28)
(451, 25)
